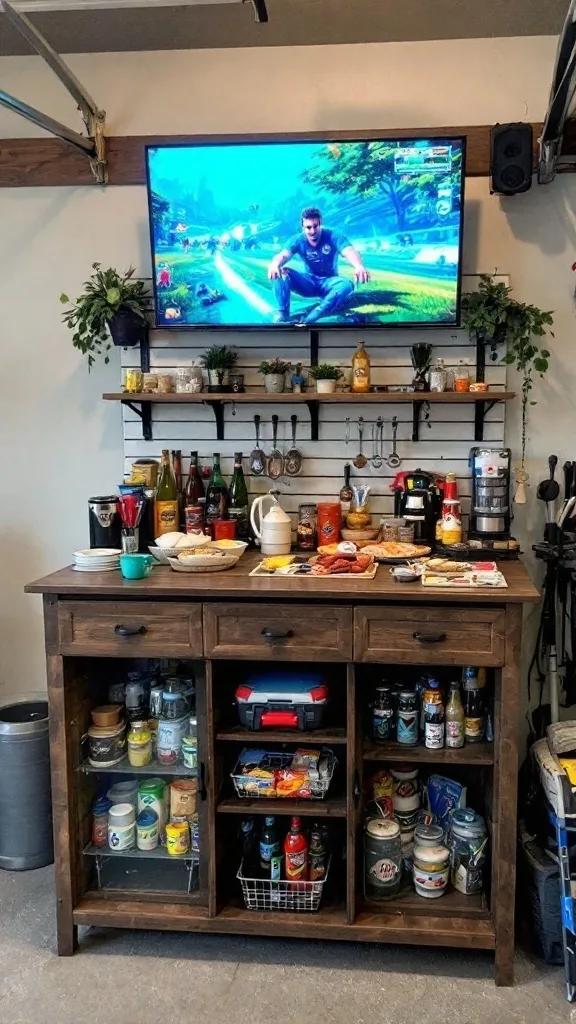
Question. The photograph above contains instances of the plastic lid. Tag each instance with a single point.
(429, 833)
(101, 805)
(383, 828)
(466, 823)
(147, 818)
(120, 810)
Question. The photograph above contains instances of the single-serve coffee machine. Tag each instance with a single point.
(490, 515)
(418, 500)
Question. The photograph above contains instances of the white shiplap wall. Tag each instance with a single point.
(445, 440)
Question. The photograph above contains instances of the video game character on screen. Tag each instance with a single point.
(319, 248)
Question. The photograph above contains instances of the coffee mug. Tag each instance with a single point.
(136, 567)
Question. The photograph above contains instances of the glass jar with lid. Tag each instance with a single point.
(382, 859)
(467, 841)
(431, 861)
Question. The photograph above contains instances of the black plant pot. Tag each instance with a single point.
(127, 329)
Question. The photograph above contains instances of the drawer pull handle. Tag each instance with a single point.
(272, 634)
(429, 638)
(129, 630)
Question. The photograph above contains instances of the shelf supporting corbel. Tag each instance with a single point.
(480, 413)
(416, 412)
(217, 406)
(314, 410)
(144, 412)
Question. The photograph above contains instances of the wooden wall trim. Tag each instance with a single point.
(50, 162)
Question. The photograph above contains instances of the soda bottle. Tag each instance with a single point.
(318, 855)
(433, 716)
(296, 853)
(474, 722)
(454, 717)
(269, 846)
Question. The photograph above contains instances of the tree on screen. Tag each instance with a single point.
(367, 169)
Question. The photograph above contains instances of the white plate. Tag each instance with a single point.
(97, 553)
(81, 568)
(97, 561)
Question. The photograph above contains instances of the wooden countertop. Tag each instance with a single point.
(236, 583)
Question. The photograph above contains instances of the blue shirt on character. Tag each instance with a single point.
(321, 260)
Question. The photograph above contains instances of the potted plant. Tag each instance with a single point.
(493, 318)
(325, 376)
(421, 355)
(113, 305)
(218, 360)
(274, 373)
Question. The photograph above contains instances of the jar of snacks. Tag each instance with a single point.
(196, 379)
(462, 377)
(165, 383)
(133, 381)
(149, 382)
(182, 379)
(307, 526)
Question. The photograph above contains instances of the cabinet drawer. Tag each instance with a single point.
(288, 632)
(131, 628)
(429, 635)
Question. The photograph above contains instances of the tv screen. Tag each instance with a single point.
(307, 234)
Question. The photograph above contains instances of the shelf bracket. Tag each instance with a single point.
(481, 411)
(92, 146)
(314, 346)
(217, 407)
(145, 351)
(314, 410)
(416, 412)
(144, 411)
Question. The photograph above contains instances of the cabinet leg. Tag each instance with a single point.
(504, 968)
(67, 938)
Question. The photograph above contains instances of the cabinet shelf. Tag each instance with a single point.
(141, 403)
(472, 753)
(125, 768)
(160, 853)
(330, 808)
(238, 734)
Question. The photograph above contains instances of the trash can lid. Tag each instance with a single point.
(20, 718)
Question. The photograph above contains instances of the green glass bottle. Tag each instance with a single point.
(216, 494)
(166, 511)
(238, 500)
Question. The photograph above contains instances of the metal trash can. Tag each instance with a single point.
(26, 840)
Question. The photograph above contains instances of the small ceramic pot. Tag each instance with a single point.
(325, 387)
(218, 378)
(274, 382)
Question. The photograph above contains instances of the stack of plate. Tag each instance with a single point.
(97, 560)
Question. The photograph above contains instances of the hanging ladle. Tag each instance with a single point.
(377, 429)
(360, 461)
(394, 459)
(293, 460)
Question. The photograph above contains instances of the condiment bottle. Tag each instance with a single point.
(474, 720)
(166, 512)
(454, 717)
(433, 716)
(140, 745)
(318, 854)
(360, 370)
(296, 852)
(451, 512)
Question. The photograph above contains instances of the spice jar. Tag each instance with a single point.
(382, 859)
(306, 535)
(139, 745)
(100, 809)
(431, 857)
(467, 841)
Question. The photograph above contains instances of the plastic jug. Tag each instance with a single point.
(273, 530)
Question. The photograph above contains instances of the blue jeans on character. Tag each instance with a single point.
(334, 291)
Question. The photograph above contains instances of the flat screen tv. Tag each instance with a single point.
(315, 233)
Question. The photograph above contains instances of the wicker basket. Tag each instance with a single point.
(253, 788)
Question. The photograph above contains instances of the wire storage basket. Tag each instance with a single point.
(275, 764)
(263, 894)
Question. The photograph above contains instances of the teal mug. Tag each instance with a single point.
(136, 567)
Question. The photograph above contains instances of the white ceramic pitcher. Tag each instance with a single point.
(273, 530)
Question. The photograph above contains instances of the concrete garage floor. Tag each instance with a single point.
(168, 978)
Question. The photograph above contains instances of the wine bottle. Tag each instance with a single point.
(194, 483)
(216, 494)
(177, 465)
(166, 513)
(238, 499)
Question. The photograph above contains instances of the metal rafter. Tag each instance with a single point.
(95, 119)
(561, 96)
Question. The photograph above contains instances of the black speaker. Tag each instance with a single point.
(510, 158)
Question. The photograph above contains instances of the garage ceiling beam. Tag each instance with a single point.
(94, 118)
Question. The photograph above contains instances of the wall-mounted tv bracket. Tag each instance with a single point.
(561, 97)
(481, 409)
(92, 146)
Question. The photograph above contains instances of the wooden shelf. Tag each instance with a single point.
(141, 403)
(330, 808)
(160, 853)
(238, 734)
(451, 904)
(471, 753)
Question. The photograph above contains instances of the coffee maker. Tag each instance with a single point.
(418, 500)
(490, 515)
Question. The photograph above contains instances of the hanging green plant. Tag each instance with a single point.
(493, 318)
(113, 306)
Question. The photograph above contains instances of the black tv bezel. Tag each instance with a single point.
(277, 139)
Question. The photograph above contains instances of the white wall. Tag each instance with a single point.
(60, 442)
